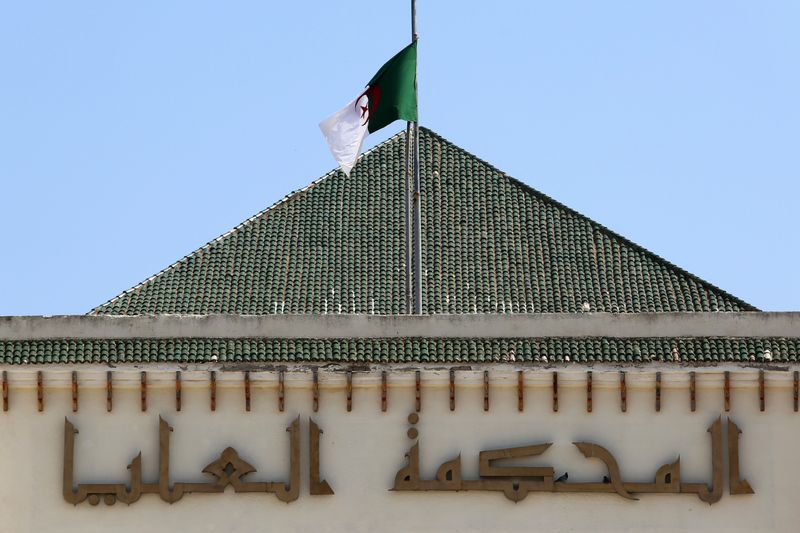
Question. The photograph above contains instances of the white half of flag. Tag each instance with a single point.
(345, 132)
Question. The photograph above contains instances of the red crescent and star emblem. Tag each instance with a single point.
(373, 94)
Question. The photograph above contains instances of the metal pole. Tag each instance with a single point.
(413, 20)
(417, 233)
(409, 171)
(407, 195)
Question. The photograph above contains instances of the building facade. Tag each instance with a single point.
(560, 378)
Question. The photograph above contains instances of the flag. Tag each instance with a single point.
(390, 95)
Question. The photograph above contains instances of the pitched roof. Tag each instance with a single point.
(491, 244)
(534, 351)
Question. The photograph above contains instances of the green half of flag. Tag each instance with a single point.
(392, 91)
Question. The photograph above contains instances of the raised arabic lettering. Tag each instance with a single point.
(228, 470)
(515, 482)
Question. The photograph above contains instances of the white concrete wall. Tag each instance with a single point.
(361, 451)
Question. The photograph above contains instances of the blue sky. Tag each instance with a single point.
(133, 133)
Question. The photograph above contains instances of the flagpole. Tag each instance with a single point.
(417, 211)
(409, 185)
(407, 196)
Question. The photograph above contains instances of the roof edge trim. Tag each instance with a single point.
(561, 325)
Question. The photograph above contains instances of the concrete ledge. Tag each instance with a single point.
(753, 324)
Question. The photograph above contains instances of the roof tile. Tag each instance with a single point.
(433, 350)
(491, 244)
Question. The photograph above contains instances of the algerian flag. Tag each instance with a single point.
(391, 94)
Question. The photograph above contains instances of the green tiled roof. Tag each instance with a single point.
(491, 244)
(527, 350)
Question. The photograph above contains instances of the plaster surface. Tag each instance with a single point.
(362, 450)
(755, 324)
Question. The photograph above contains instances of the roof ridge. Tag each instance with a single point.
(246, 222)
(601, 227)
